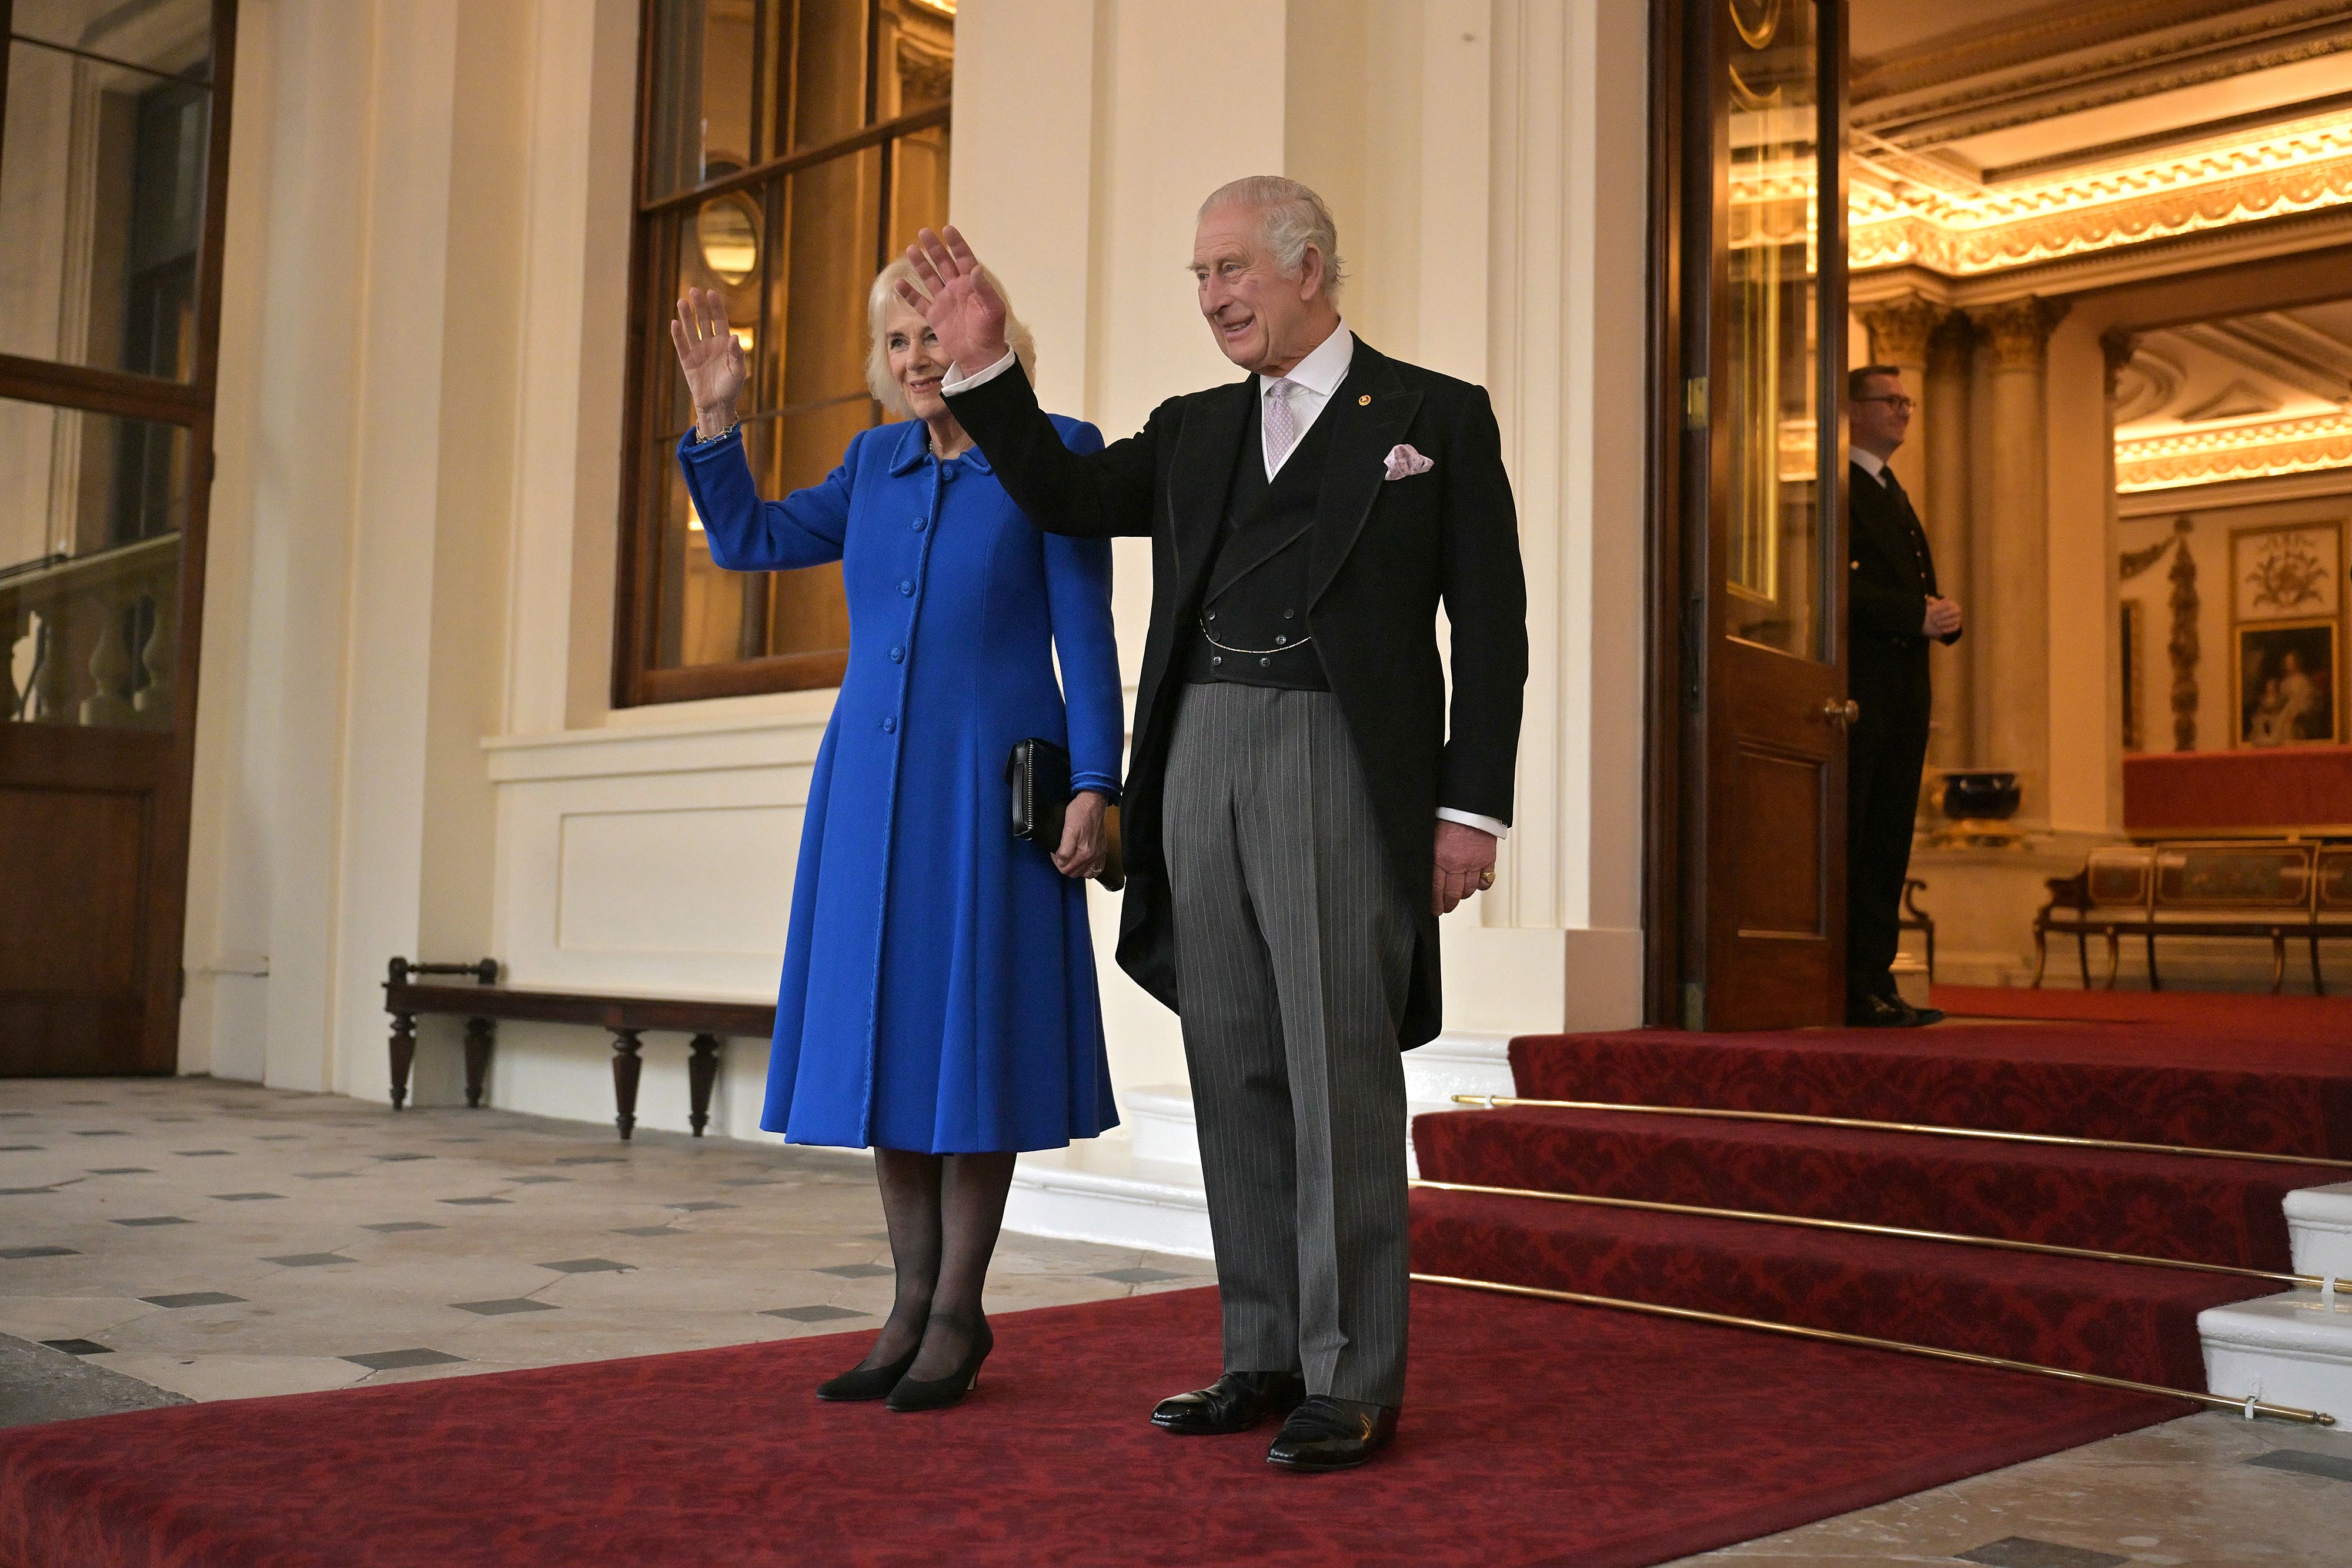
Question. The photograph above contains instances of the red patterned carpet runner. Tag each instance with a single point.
(1534, 1433)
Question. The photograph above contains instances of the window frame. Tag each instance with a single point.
(653, 225)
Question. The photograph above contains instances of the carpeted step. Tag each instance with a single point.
(2113, 1319)
(2165, 1206)
(2275, 1093)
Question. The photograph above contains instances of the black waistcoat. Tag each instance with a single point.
(1253, 628)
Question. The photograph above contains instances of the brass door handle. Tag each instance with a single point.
(1841, 713)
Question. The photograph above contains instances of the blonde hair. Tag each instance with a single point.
(1291, 217)
(884, 294)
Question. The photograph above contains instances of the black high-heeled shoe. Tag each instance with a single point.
(939, 1393)
(868, 1382)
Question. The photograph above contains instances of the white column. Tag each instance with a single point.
(2012, 617)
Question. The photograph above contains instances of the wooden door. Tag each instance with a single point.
(112, 165)
(1762, 517)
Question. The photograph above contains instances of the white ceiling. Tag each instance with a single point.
(2238, 370)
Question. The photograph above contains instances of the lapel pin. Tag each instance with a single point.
(1365, 401)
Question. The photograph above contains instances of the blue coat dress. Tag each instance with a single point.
(939, 985)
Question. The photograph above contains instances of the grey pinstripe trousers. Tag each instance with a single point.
(1294, 948)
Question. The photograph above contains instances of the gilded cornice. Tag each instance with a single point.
(2237, 452)
(2302, 171)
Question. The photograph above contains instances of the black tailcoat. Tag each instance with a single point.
(1384, 554)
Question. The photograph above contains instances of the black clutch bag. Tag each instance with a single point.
(1038, 774)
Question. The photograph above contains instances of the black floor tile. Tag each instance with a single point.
(194, 1298)
(100, 1133)
(397, 1227)
(22, 1191)
(394, 1359)
(705, 1206)
(20, 1148)
(475, 1202)
(157, 1219)
(2334, 1466)
(501, 1309)
(2024, 1552)
(123, 1170)
(652, 1231)
(13, 1252)
(400, 1156)
(818, 1315)
(80, 1346)
(591, 1266)
(1135, 1276)
(245, 1197)
(855, 1271)
(200, 1153)
(310, 1259)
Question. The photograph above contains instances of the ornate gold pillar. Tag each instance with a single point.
(2012, 618)
(1951, 350)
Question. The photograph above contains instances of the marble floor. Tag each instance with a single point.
(170, 1239)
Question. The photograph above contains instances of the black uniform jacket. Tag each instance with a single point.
(1891, 574)
(1383, 553)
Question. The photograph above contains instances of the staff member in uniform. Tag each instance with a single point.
(1895, 611)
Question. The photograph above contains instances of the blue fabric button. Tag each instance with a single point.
(889, 726)
(921, 523)
(898, 655)
(908, 589)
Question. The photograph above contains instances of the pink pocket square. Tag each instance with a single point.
(1404, 461)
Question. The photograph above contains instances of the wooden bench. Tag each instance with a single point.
(2280, 890)
(484, 1001)
(1914, 918)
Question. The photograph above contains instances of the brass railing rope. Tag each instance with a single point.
(1857, 1227)
(2247, 1407)
(1498, 1101)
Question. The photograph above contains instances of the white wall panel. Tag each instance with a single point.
(713, 879)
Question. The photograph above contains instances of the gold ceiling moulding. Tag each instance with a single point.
(1962, 235)
(2262, 450)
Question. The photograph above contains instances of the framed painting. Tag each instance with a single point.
(2287, 690)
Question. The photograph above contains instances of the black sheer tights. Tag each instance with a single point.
(943, 1211)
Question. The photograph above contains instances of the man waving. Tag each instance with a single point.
(1301, 804)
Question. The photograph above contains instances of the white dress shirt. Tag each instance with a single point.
(1313, 380)
(1870, 463)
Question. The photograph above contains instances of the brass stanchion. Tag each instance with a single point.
(2247, 1407)
(2301, 1281)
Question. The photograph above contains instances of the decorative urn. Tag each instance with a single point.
(1980, 795)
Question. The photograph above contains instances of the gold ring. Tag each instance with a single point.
(1486, 877)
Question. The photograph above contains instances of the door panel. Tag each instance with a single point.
(1763, 308)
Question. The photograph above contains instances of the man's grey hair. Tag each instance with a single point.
(884, 294)
(1291, 217)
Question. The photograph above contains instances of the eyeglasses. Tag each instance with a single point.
(1895, 401)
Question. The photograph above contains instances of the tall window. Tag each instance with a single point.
(786, 150)
(107, 238)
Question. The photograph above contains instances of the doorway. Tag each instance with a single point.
(112, 164)
(1747, 866)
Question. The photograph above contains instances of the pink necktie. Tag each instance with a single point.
(1281, 428)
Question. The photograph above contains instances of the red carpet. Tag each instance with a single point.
(2284, 1091)
(2323, 1019)
(1534, 1434)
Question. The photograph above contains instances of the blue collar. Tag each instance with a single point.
(915, 446)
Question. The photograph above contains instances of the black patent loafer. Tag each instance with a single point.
(1233, 1403)
(1327, 1433)
(1877, 1012)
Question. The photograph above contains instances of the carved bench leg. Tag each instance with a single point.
(2319, 984)
(2278, 960)
(2154, 981)
(2114, 958)
(2040, 955)
(626, 1069)
(404, 1055)
(2083, 953)
(480, 1034)
(702, 1072)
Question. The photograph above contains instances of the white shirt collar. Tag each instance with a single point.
(1870, 463)
(1323, 369)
